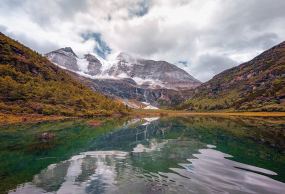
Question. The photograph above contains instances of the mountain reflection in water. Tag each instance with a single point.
(159, 156)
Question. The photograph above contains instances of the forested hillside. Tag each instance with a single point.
(29, 83)
(257, 85)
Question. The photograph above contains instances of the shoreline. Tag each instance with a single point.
(24, 118)
(256, 114)
(15, 118)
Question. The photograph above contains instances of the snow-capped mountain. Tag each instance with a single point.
(145, 73)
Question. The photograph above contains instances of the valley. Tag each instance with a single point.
(254, 86)
(134, 85)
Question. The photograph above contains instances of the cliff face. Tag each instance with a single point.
(94, 65)
(262, 78)
(65, 57)
(152, 74)
(126, 88)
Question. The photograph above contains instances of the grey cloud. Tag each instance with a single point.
(213, 65)
(41, 47)
(236, 27)
(143, 41)
(147, 39)
(247, 24)
(240, 26)
(13, 4)
(45, 12)
(3, 29)
(264, 42)
(71, 7)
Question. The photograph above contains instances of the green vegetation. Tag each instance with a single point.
(29, 83)
(163, 104)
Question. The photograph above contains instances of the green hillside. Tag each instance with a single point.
(257, 85)
(29, 83)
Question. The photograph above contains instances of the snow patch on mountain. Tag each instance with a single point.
(152, 83)
(96, 76)
(82, 64)
(105, 64)
(123, 75)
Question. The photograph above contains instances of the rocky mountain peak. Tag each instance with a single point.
(69, 50)
(64, 57)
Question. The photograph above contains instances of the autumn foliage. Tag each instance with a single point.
(29, 83)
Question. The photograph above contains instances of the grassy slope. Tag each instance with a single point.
(252, 86)
(29, 83)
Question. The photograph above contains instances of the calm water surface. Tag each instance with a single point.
(145, 155)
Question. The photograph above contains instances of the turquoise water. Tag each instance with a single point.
(145, 155)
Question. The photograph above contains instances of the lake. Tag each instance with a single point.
(194, 154)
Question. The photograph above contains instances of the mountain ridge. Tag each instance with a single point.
(147, 73)
(256, 85)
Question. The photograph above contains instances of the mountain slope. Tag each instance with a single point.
(147, 74)
(257, 85)
(127, 90)
(152, 74)
(29, 83)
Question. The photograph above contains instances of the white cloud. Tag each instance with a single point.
(230, 32)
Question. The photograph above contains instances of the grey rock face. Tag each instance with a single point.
(128, 89)
(94, 67)
(64, 57)
(170, 75)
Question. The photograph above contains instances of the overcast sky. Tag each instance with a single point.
(204, 37)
